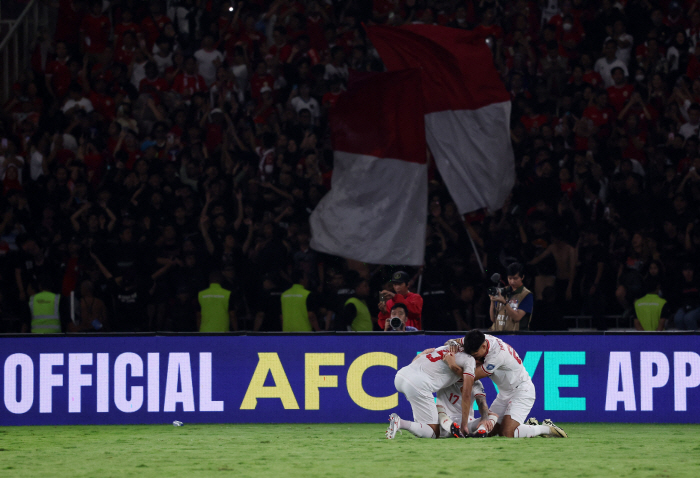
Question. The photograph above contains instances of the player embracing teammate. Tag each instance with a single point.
(498, 361)
(436, 371)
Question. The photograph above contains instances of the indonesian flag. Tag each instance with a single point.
(377, 207)
(467, 108)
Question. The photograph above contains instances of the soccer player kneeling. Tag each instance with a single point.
(429, 372)
(516, 392)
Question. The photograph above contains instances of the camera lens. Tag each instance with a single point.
(395, 323)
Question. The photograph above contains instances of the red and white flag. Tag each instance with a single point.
(377, 207)
(467, 108)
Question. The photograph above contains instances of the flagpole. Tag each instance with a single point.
(476, 253)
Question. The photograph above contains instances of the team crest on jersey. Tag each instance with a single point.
(490, 367)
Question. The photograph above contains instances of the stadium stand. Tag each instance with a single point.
(148, 143)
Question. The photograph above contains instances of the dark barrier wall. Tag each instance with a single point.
(342, 378)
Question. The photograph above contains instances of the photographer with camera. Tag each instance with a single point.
(511, 307)
(400, 295)
(397, 320)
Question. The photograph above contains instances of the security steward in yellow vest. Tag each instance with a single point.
(48, 315)
(514, 311)
(355, 315)
(216, 307)
(298, 307)
(651, 310)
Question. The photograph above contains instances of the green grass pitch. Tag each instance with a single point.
(342, 450)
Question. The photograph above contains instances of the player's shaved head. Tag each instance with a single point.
(473, 340)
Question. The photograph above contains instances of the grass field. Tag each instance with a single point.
(352, 450)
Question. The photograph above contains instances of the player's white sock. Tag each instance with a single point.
(529, 431)
(473, 425)
(444, 422)
(418, 429)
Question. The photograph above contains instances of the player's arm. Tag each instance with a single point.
(483, 407)
(467, 401)
(449, 359)
(480, 373)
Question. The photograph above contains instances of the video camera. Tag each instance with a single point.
(496, 290)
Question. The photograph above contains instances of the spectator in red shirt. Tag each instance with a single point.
(590, 76)
(260, 79)
(570, 36)
(693, 70)
(488, 27)
(599, 112)
(125, 54)
(154, 24)
(280, 48)
(58, 75)
(104, 103)
(189, 82)
(95, 29)
(302, 51)
(329, 99)
(532, 120)
(70, 13)
(126, 25)
(620, 92)
(400, 295)
(153, 84)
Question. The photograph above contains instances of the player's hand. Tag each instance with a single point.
(487, 424)
(454, 346)
(465, 429)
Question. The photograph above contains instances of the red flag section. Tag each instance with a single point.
(467, 108)
(377, 207)
(381, 116)
(458, 71)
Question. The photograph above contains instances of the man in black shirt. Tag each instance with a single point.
(688, 314)
(437, 301)
(592, 256)
(130, 297)
(269, 307)
(33, 261)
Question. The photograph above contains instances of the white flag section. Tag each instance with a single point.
(467, 108)
(473, 183)
(375, 211)
(377, 207)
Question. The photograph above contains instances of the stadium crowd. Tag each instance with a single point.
(154, 142)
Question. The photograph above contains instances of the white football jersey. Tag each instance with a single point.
(451, 399)
(503, 365)
(435, 373)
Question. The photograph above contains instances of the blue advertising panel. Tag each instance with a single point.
(342, 378)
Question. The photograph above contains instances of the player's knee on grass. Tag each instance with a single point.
(508, 427)
(436, 430)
